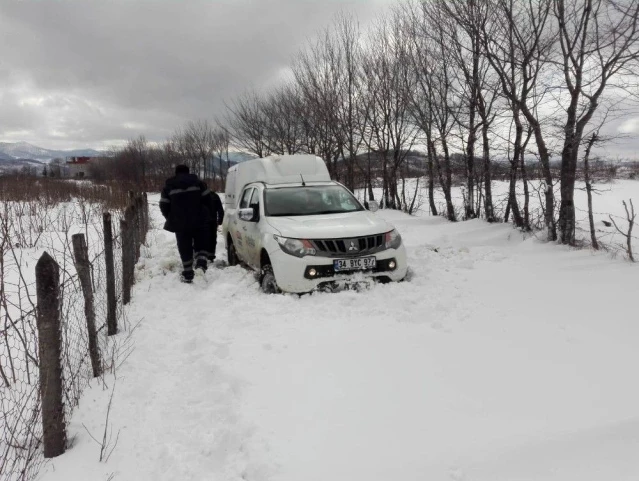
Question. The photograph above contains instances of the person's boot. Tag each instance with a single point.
(201, 262)
(187, 272)
(201, 265)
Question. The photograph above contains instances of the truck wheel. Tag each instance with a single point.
(231, 255)
(269, 284)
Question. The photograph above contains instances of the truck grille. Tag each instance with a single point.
(356, 246)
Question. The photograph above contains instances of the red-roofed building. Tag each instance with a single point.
(77, 167)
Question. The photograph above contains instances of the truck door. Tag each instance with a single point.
(253, 241)
(240, 226)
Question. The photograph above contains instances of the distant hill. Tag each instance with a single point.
(24, 150)
(9, 164)
(5, 158)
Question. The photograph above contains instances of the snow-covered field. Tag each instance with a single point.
(502, 358)
(607, 201)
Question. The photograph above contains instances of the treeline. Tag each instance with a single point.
(201, 145)
(522, 80)
(468, 81)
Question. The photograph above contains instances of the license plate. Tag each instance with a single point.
(356, 264)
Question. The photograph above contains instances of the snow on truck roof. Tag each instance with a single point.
(283, 169)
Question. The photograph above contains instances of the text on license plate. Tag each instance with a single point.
(359, 263)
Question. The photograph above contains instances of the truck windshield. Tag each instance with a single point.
(311, 200)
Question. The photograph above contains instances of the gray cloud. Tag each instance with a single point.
(94, 74)
(76, 73)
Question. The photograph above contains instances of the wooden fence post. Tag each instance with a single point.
(145, 202)
(139, 209)
(125, 236)
(112, 320)
(83, 267)
(50, 351)
(131, 211)
(131, 214)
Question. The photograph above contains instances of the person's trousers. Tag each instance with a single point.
(193, 245)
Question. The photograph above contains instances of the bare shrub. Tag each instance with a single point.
(630, 217)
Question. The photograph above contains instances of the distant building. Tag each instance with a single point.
(77, 167)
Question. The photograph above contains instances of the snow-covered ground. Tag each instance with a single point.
(27, 230)
(502, 358)
(607, 201)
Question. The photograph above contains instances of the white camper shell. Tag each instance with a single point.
(272, 170)
(299, 230)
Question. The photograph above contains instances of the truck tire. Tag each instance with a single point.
(269, 283)
(231, 255)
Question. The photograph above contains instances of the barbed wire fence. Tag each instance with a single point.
(37, 397)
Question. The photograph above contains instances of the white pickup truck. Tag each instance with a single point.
(286, 219)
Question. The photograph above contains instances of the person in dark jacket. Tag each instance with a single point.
(218, 217)
(187, 206)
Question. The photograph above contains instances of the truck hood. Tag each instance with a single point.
(330, 226)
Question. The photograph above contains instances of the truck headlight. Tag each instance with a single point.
(393, 239)
(295, 247)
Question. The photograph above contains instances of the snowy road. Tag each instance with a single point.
(501, 359)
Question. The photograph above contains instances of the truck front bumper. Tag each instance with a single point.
(305, 274)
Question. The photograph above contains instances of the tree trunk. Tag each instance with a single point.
(544, 157)
(431, 179)
(470, 168)
(369, 180)
(512, 192)
(447, 182)
(524, 179)
(567, 188)
(512, 196)
(386, 180)
(488, 190)
(591, 220)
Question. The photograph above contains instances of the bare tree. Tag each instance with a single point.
(476, 87)
(630, 216)
(199, 140)
(591, 141)
(316, 71)
(517, 40)
(130, 164)
(349, 59)
(599, 49)
(222, 143)
(462, 43)
(443, 101)
(284, 132)
(421, 97)
(247, 125)
(387, 69)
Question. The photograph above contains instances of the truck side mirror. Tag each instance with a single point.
(246, 214)
(373, 206)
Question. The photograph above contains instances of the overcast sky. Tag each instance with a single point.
(92, 74)
(80, 73)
